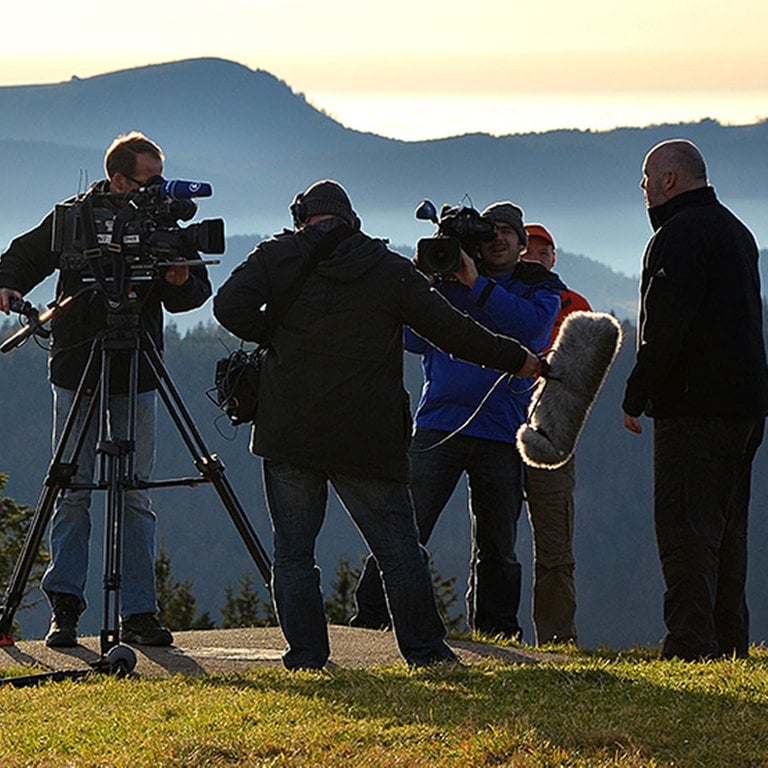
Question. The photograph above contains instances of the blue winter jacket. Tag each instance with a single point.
(522, 304)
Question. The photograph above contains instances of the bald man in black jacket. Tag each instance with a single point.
(701, 375)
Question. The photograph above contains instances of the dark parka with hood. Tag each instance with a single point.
(331, 392)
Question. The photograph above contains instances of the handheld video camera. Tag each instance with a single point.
(459, 228)
(136, 234)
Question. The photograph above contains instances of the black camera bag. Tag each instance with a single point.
(237, 384)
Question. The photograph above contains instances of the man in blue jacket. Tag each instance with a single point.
(510, 297)
(701, 375)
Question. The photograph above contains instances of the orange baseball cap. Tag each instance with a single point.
(535, 229)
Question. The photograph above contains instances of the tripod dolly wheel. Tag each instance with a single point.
(121, 660)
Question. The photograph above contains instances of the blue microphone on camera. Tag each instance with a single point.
(176, 189)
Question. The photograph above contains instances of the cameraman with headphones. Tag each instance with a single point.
(131, 162)
(332, 303)
(508, 297)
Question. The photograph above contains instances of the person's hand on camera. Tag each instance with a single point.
(177, 275)
(468, 273)
(6, 294)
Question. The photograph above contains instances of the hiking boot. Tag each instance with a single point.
(144, 629)
(66, 610)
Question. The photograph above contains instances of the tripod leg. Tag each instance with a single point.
(113, 534)
(25, 562)
(209, 465)
(58, 478)
(116, 468)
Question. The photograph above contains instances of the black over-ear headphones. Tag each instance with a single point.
(298, 210)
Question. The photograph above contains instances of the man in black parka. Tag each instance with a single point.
(701, 375)
(332, 407)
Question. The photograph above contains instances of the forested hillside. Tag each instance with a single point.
(618, 579)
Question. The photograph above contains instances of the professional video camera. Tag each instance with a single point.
(459, 227)
(135, 234)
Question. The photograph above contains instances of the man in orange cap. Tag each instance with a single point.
(549, 493)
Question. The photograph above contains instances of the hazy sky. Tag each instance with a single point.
(505, 48)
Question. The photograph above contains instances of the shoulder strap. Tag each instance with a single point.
(327, 245)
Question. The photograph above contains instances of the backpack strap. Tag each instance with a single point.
(324, 248)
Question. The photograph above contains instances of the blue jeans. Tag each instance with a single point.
(71, 521)
(383, 512)
(494, 473)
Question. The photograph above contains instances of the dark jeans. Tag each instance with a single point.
(383, 512)
(702, 476)
(549, 493)
(494, 473)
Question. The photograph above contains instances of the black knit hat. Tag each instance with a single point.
(324, 197)
(509, 213)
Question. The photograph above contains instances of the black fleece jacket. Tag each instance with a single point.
(331, 392)
(700, 337)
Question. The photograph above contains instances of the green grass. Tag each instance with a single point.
(585, 709)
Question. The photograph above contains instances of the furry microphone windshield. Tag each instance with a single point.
(579, 361)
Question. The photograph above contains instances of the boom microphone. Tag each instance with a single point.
(581, 357)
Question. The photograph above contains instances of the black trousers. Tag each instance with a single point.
(702, 477)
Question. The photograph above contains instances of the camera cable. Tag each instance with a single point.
(545, 369)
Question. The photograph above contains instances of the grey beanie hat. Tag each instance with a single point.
(325, 196)
(509, 213)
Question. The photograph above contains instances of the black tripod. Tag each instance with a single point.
(115, 476)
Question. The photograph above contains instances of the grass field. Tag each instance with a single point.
(585, 709)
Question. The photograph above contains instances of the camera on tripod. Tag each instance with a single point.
(137, 233)
(459, 227)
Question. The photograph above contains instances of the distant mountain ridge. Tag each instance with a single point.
(258, 142)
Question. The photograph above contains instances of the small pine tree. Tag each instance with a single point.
(246, 608)
(15, 520)
(176, 601)
(340, 606)
(446, 599)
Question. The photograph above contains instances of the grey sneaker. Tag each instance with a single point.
(66, 610)
(144, 629)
